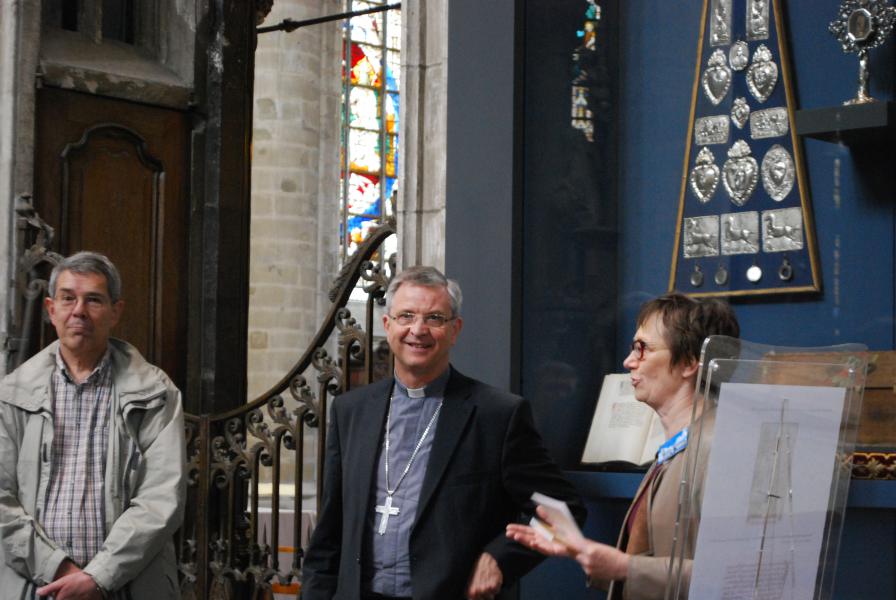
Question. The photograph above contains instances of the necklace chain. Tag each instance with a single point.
(407, 467)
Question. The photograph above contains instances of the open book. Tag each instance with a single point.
(623, 429)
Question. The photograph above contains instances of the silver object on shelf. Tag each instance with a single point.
(860, 26)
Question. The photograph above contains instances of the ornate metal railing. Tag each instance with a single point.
(34, 263)
(225, 551)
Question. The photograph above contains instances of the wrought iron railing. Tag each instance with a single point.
(34, 261)
(224, 551)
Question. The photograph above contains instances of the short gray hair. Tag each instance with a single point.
(427, 277)
(89, 262)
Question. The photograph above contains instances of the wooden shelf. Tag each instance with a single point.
(853, 125)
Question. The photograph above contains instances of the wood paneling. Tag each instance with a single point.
(110, 176)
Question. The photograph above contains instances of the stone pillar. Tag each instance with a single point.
(423, 133)
(19, 49)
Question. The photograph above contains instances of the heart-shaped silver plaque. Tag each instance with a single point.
(777, 172)
(740, 173)
(705, 176)
(717, 77)
(740, 112)
(762, 74)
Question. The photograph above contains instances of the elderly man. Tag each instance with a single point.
(424, 470)
(91, 455)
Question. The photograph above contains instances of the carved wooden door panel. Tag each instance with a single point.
(111, 176)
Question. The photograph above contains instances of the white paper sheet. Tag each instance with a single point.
(767, 491)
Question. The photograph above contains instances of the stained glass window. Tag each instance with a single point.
(582, 117)
(371, 108)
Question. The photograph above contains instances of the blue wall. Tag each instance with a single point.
(851, 191)
(854, 212)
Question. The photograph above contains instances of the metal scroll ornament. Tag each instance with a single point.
(860, 26)
(705, 176)
(740, 173)
(762, 74)
(717, 77)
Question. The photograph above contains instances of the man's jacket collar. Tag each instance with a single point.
(28, 386)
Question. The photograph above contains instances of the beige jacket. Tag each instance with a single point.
(144, 487)
(648, 573)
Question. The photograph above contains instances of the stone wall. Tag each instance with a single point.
(295, 187)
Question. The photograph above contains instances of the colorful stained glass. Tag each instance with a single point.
(581, 114)
(358, 228)
(371, 122)
(364, 151)
(367, 28)
(392, 113)
(364, 108)
(366, 65)
(391, 188)
(393, 21)
(363, 194)
(391, 155)
(393, 70)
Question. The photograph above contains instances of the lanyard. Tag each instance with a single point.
(672, 446)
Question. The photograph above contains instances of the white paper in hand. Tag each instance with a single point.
(564, 530)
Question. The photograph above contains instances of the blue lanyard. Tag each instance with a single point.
(672, 446)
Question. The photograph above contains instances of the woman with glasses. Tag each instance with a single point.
(663, 364)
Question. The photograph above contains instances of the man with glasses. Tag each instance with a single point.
(424, 470)
(91, 455)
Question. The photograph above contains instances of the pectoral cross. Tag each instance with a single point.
(386, 509)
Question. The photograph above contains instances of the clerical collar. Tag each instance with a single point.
(434, 389)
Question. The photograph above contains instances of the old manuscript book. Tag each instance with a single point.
(623, 430)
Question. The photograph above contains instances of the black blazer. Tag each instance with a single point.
(486, 460)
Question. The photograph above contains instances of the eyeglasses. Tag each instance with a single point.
(639, 346)
(432, 320)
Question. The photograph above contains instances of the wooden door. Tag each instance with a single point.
(111, 176)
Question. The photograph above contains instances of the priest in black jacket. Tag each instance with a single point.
(423, 471)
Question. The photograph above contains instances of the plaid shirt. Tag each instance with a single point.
(75, 515)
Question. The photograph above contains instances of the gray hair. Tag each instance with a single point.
(427, 277)
(89, 262)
